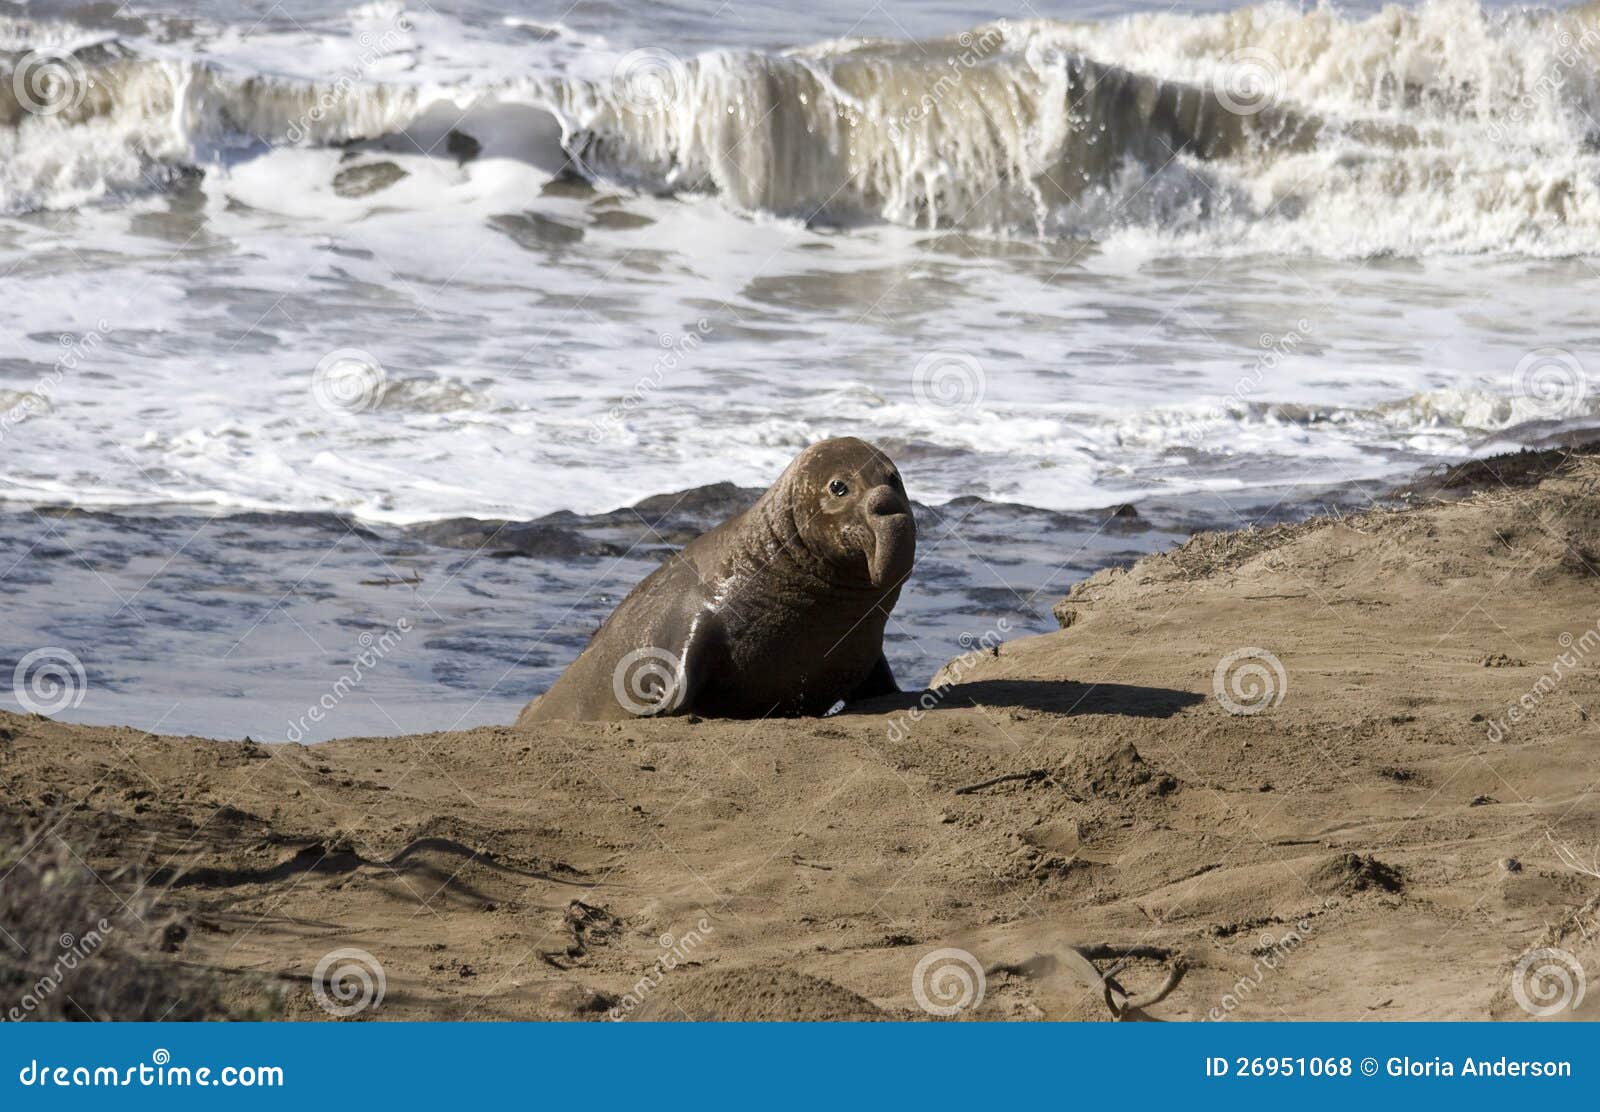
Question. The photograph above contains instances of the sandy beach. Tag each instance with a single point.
(1336, 770)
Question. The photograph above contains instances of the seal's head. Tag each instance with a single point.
(851, 510)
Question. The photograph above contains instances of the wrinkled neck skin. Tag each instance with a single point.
(778, 549)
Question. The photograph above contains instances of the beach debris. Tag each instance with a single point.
(1030, 775)
(1079, 962)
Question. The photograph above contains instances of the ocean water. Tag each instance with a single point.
(288, 285)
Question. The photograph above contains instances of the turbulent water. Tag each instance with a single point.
(399, 265)
(1444, 128)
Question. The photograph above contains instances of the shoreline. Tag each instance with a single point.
(235, 626)
(1333, 836)
(712, 500)
(238, 626)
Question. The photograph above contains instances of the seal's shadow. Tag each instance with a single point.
(1051, 696)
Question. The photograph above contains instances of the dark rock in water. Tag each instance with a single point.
(65, 512)
(462, 147)
(713, 503)
(301, 519)
(361, 181)
(646, 530)
(969, 509)
(664, 536)
(545, 540)
(535, 231)
(620, 221)
(458, 532)
(1124, 518)
(512, 538)
(568, 183)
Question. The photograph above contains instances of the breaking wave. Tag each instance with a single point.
(1445, 128)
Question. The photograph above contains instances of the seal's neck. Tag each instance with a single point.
(776, 531)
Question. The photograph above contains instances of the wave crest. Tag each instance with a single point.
(1445, 128)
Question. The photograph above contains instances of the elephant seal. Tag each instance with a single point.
(778, 610)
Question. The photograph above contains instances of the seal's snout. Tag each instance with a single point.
(894, 535)
(885, 501)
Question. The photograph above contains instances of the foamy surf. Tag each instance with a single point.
(1445, 128)
(1058, 263)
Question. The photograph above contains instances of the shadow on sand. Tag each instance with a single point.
(1050, 696)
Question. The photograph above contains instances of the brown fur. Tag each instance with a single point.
(778, 610)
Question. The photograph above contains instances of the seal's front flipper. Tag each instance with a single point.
(879, 681)
(704, 655)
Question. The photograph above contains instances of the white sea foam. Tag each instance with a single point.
(1338, 282)
(1447, 127)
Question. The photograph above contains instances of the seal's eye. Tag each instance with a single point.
(838, 489)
